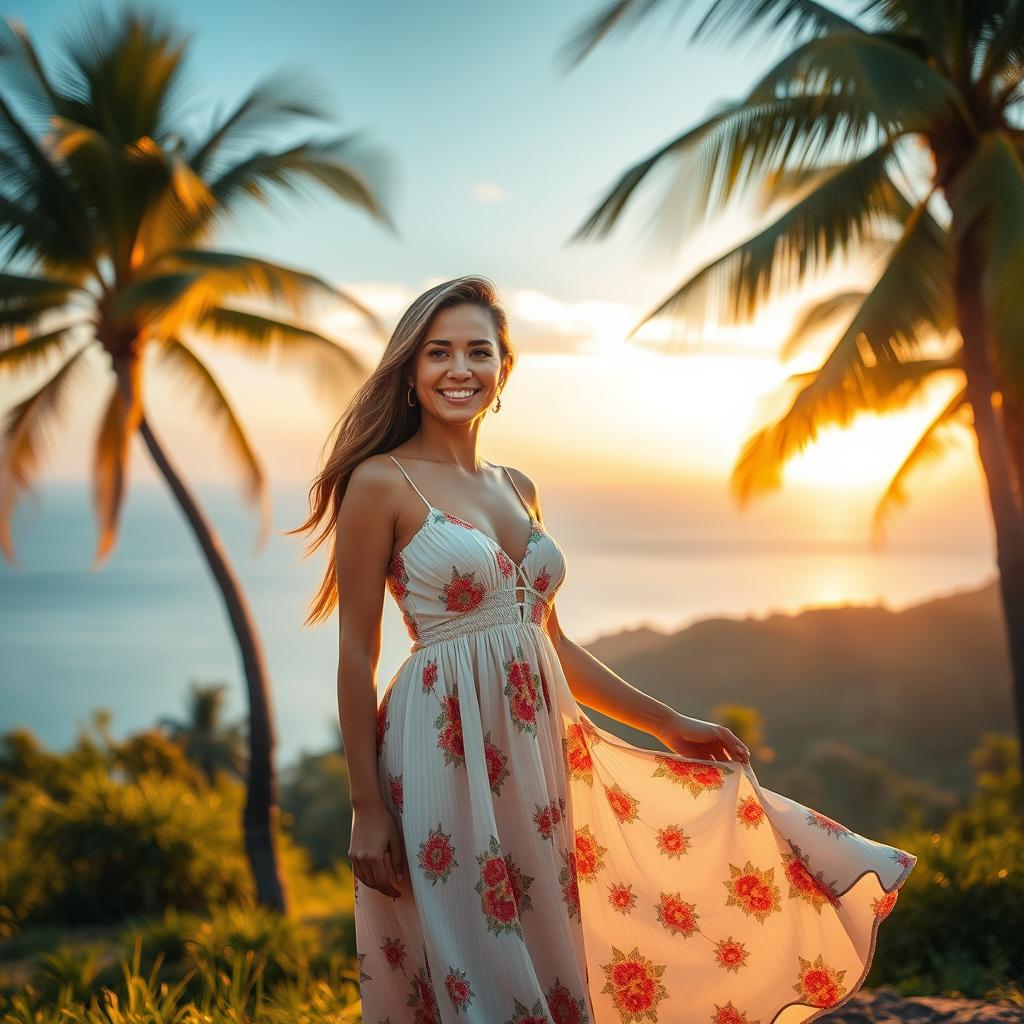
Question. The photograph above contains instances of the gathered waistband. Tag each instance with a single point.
(498, 608)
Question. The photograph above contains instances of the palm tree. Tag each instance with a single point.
(206, 741)
(829, 140)
(107, 217)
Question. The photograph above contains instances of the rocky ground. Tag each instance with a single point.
(884, 1005)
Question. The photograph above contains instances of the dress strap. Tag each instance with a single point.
(529, 511)
(409, 478)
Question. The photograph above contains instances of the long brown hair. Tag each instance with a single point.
(379, 417)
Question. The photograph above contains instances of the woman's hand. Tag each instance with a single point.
(708, 741)
(375, 849)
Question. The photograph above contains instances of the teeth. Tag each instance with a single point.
(463, 393)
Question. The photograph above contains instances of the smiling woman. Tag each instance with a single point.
(514, 862)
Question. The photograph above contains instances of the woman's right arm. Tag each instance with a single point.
(364, 538)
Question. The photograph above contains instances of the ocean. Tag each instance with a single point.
(132, 635)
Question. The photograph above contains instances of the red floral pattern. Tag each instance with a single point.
(460, 992)
(503, 890)
(622, 897)
(397, 578)
(634, 983)
(437, 855)
(803, 885)
(462, 593)
(731, 954)
(454, 520)
(749, 812)
(696, 776)
(817, 983)
(672, 841)
(730, 1014)
(576, 753)
(568, 879)
(395, 788)
(522, 687)
(497, 764)
(394, 953)
(826, 824)
(589, 854)
(624, 805)
(753, 890)
(524, 1015)
(676, 915)
(449, 729)
(564, 1007)
(548, 816)
(422, 999)
(504, 563)
(429, 675)
(883, 905)
(382, 720)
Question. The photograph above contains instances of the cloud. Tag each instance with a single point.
(488, 192)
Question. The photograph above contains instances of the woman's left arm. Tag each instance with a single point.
(595, 685)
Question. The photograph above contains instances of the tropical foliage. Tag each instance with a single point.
(891, 137)
(109, 210)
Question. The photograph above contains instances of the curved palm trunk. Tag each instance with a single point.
(1008, 519)
(260, 792)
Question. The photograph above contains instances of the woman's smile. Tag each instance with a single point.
(458, 396)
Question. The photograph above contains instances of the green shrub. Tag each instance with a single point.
(112, 849)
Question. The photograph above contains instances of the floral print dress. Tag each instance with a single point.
(557, 874)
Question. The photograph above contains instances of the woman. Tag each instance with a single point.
(513, 861)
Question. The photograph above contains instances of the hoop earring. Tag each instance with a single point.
(408, 396)
(497, 408)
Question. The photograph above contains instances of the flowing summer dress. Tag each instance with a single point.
(557, 874)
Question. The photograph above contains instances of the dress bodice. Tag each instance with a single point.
(452, 579)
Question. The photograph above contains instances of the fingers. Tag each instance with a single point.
(732, 746)
(378, 874)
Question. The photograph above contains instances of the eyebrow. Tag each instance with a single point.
(445, 341)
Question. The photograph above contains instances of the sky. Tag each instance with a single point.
(489, 158)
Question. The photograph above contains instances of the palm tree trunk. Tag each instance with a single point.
(260, 800)
(1008, 519)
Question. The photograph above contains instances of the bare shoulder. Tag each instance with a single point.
(376, 479)
(527, 488)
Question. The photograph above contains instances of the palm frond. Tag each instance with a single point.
(278, 98)
(830, 219)
(17, 288)
(28, 427)
(40, 186)
(22, 63)
(867, 387)
(196, 280)
(933, 444)
(26, 355)
(814, 317)
(796, 19)
(344, 165)
(125, 71)
(330, 366)
(870, 365)
(192, 372)
(741, 139)
(799, 17)
(899, 89)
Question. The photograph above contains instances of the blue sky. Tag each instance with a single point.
(495, 158)
(458, 94)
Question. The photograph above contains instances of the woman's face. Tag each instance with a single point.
(458, 367)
